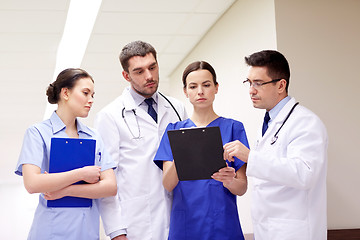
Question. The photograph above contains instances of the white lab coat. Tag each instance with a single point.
(289, 178)
(142, 205)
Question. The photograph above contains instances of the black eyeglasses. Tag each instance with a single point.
(257, 85)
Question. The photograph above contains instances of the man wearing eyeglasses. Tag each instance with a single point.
(288, 162)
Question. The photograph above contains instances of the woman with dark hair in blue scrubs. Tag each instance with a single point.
(204, 209)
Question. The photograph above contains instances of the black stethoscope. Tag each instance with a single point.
(137, 121)
(275, 137)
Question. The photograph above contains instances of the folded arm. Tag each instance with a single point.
(104, 188)
(37, 182)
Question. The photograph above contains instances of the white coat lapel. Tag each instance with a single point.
(163, 108)
(128, 101)
(276, 123)
(130, 104)
(283, 112)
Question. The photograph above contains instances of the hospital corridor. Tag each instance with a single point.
(320, 40)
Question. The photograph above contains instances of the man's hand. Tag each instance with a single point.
(120, 237)
(236, 149)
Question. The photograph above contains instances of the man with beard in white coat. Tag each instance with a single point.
(288, 162)
(131, 127)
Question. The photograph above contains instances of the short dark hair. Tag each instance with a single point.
(66, 79)
(198, 65)
(136, 48)
(276, 64)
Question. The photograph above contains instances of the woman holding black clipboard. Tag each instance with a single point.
(73, 91)
(206, 208)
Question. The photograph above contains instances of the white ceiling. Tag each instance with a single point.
(30, 32)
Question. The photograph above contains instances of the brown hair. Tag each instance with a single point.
(66, 79)
(136, 48)
(198, 65)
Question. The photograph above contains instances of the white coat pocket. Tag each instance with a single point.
(287, 229)
(136, 211)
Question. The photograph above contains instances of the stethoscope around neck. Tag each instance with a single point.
(136, 117)
(137, 123)
(275, 137)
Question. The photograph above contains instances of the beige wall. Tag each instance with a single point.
(321, 41)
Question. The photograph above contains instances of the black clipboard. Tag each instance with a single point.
(197, 152)
(67, 154)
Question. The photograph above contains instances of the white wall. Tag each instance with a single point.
(247, 27)
(321, 40)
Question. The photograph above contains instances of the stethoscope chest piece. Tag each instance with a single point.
(274, 139)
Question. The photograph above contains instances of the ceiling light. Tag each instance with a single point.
(78, 27)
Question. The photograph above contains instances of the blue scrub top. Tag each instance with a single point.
(204, 209)
(60, 223)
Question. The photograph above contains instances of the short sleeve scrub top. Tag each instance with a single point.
(204, 209)
(60, 223)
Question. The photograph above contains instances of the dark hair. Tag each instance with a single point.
(198, 65)
(276, 64)
(66, 79)
(136, 48)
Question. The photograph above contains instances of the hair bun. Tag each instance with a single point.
(52, 94)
